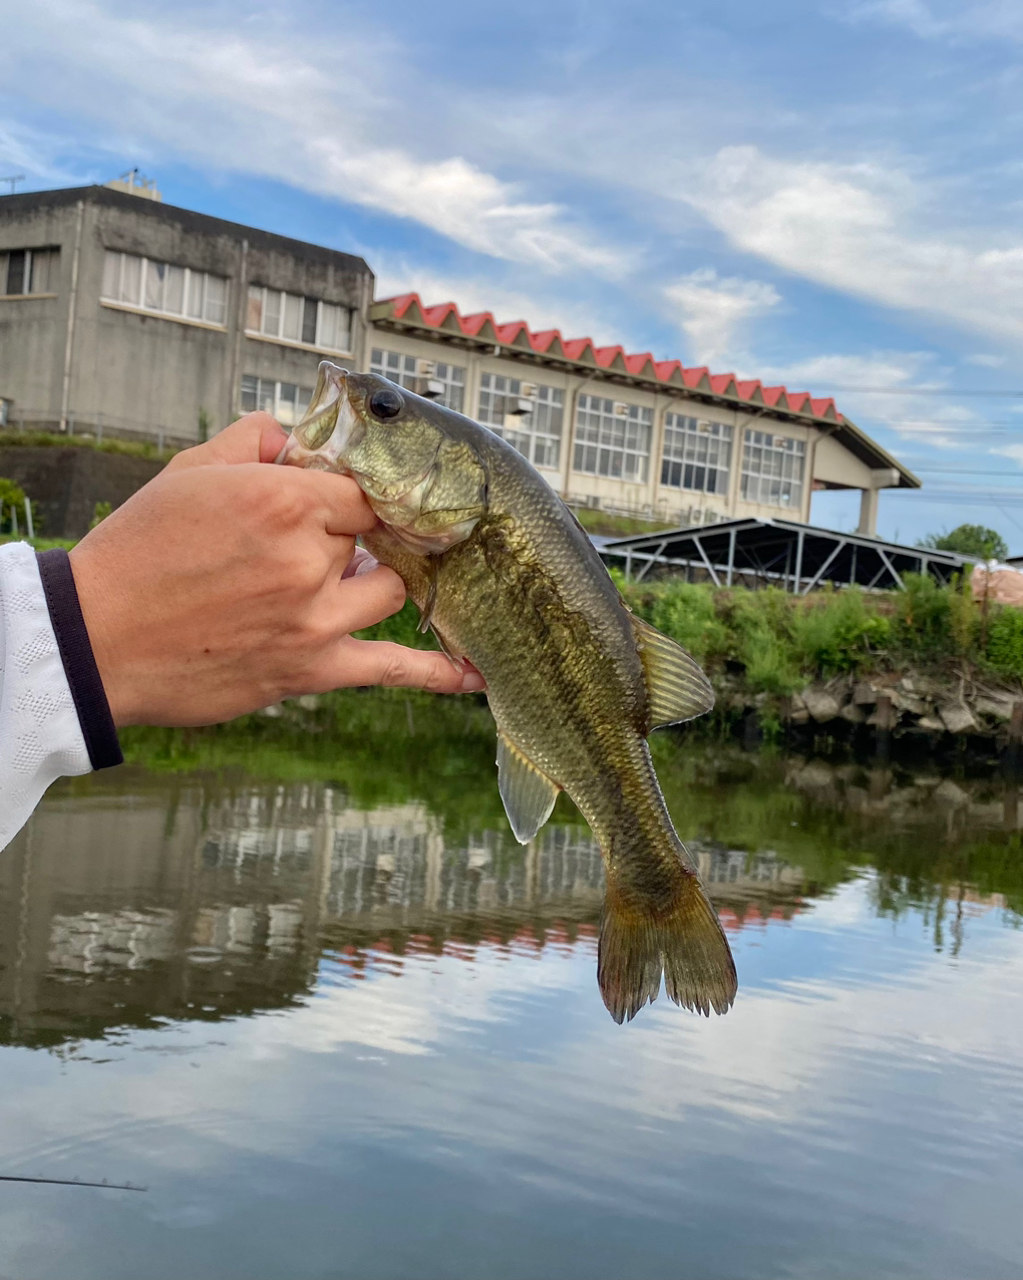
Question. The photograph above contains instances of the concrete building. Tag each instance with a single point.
(124, 315)
(128, 316)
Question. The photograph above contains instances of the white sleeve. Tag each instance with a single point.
(40, 735)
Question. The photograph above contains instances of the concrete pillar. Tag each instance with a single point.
(868, 512)
(884, 478)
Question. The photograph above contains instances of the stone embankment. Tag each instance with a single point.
(906, 703)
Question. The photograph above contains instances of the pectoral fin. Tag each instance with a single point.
(528, 794)
(431, 597)
(677, 688)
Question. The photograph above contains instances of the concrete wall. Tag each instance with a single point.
(67, 483)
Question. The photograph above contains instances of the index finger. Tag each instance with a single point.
(334, 499)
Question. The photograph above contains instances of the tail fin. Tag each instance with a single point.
(686, 943)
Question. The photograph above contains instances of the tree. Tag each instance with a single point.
(969, 540)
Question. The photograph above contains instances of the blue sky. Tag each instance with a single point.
(824, 194)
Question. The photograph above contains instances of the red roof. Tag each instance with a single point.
(517, 334)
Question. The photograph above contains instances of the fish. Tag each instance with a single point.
(507, 579)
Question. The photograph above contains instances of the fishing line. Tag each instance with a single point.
(73, 1182)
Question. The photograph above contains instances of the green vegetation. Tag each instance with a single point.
(13, 495)
(969, 540)
(781, 642)
(11, 439)
(593, 520)
(100, 511)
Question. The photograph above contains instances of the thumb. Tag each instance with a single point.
(255, 438)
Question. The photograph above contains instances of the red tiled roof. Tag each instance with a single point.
(517, 334)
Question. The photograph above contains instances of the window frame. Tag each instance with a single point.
(193, 282)
(596, 442)
(51, 255)
(783, 456)
(538, 444)
(260, 293)
(693, 450)
(406, 367)
(266, 396)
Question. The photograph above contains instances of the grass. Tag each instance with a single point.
(609, 525)
(52, 439)
(39, 544)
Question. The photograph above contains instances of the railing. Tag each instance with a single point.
(92, 426)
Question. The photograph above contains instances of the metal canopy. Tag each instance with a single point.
(798, 557)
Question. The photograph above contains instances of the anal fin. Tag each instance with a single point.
(676, 685)
(528, 794)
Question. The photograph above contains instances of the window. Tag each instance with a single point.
(537, 433)
(24, 271)
(772, 470)
(164, 289)
(395, 367)
(288, 316)
(612, 439)
(697, 454)
(442, 382)
(287, 401)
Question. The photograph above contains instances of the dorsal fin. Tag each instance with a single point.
(676, 685)
(527, 793)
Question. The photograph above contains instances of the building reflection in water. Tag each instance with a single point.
(181, 900)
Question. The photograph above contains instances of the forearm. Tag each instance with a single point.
(54, 720)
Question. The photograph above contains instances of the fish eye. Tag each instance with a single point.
(385, 403)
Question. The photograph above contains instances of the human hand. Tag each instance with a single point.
(225, 585)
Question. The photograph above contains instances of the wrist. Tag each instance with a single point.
(99, 607)
(84, 681)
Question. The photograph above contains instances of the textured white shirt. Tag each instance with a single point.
(40, 735)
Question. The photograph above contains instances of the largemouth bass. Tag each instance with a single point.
(507, 579)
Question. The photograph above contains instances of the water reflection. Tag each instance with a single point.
(340, 1037)
(147, 899)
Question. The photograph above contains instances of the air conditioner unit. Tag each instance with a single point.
(426, 368)
(527, 390)
(593, 500)
(621, 410)
(521, 407)
(432, 388)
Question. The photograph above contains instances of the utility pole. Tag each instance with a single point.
(13, 179)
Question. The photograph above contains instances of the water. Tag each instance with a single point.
(342, 1038)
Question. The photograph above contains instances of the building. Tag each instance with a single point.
(124, 315)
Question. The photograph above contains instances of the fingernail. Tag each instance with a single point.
(473, 682)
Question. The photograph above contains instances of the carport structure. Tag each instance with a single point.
(797, 557)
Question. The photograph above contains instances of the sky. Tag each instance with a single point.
(827, 195)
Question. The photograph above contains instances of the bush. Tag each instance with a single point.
(12, 495)
(1005, 642)
(836, 632)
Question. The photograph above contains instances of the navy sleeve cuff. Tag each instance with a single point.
(76, 654)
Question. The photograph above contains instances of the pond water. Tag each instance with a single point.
(338, 1035)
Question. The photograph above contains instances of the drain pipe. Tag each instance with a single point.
(69, 344)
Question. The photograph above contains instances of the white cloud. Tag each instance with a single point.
(263, 106)
(714, 310)
(985, 361)
(860, 228)
(952, 20)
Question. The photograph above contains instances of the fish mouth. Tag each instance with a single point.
(322, 438)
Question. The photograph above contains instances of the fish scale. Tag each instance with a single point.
(505, 576)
